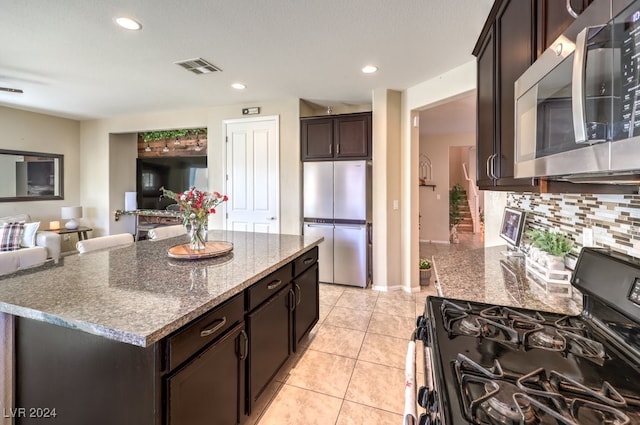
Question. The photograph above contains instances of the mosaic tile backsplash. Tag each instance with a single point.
(615, 219)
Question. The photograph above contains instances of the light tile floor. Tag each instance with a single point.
(352, 369)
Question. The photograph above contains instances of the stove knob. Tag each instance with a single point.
(433, 401)
(423, 397)
(421, 321)
(421, 333)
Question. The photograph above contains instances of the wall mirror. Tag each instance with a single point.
(30, 176)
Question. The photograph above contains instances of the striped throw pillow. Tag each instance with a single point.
(11, 236)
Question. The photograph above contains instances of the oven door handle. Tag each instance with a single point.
(410, 416)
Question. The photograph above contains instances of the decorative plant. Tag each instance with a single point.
(425, 264)
(456, 194)
(554, 243)
(151, 136)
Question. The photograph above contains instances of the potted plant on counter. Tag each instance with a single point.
(549, 248)
(425, 272)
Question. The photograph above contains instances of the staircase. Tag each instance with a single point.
(466, 225)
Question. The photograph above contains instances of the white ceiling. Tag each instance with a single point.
(71, 60)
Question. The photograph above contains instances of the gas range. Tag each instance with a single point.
(491, 364)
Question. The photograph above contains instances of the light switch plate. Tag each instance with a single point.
(587, 237)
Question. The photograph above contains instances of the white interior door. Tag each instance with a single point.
(252, 175)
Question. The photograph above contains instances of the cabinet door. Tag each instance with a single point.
(486, 111)
(306, 312)
(552, 18)
(209, 390)
(514, 35)
(316, 136)
(269, 329)
(353, 136)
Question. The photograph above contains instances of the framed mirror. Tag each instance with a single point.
(30, 176)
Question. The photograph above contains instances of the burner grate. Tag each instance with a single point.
(491, 396)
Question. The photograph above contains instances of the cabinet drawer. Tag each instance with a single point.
(305, 261)
(190, 339)
(267, 286)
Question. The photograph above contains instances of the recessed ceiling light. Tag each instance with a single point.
(129, 23)
(238, 86)
(369, 69)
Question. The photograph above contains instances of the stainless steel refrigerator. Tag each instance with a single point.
(337, 206)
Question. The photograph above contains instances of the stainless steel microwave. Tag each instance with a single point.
(577, 108)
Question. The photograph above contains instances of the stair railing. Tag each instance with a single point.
(474, 205)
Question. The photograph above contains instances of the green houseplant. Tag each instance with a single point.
(456, 195)
(555, 245)
(425, 272)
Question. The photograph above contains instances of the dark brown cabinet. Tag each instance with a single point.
(504, 52)
(552, 18)
(336, 137)
(486, 112)
(307, 298)
(269, 329)
(209, 390)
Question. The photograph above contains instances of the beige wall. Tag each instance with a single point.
(310, 109)
(103, 155)
(444, 150)
(386, 189)
(29, 131)
(458, 81)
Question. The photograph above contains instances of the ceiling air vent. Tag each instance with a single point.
(10, 90)
(198, 66)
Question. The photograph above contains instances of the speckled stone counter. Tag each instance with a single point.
(137, 294)
(486, 275)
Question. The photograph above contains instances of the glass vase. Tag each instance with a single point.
(198, 235)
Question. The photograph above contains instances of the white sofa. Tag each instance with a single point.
(47, 247)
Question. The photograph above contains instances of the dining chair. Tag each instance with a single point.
(165, 232)
(103, 242)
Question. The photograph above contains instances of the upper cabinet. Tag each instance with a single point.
(336, 137)
(505, 50)
(553, 17)
(515, 34)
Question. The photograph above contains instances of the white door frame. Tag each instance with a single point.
(225, 123)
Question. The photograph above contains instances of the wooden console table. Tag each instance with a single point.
(81, 231)
(149, 219)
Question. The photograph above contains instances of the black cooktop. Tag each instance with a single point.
(522, 342)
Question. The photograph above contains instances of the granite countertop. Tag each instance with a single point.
(486, 275)
(137, 294)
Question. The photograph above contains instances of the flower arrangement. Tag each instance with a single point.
(196, 205)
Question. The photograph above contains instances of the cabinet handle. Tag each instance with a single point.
(245, 345)
(299, 291)
(330, 149)
(488, 172)
(570, 10)
(292, 300)
(214, 328)
(274, 284)
(307, 260)
(338, 149)
(493, 166)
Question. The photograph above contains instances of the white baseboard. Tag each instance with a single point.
(432, 241)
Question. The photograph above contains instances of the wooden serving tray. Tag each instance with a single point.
(211, 249)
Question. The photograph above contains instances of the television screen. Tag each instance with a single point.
(175, 173)
(512, 226)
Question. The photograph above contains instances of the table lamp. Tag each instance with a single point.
(71, 213)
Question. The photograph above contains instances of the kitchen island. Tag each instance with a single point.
(131, 336)
(486, 275)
